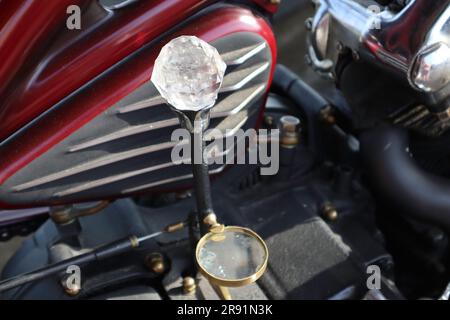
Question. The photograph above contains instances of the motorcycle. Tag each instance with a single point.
(337, 192)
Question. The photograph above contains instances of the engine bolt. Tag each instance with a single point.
(189, 285)
(309, 24)
(276, 2)
(329, 211)
(155, 263)
(290, 127)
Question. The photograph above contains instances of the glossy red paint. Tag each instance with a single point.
(267, 5)
(103, 93)
(57, 68)
(22, 30)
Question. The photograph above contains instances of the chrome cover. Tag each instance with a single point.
(393, 40)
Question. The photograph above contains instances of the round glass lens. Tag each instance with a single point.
(232, 255)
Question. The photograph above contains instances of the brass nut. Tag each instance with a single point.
(329, 212)
(189, 285)
(155, 263)
(290, 128)
(277, 2)
(175, 227)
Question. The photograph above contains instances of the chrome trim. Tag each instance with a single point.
(240, 56)
(439, 36)
(152, 102)
(222, 109)
(120, 177)
(218, 111)
(350, 27)
(126, 132)
(238, 79)
(97, 163)
(441, 30)
(117, 4)
(229, 126)
(176, 179)
(166, 181)
(114, 158)
(110, 179)
(411, 117)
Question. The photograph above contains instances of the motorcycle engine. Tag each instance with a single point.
(316, 216)
(360, 188)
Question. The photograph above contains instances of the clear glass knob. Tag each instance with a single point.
(188, 73)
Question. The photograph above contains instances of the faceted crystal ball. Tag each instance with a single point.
(188, 73)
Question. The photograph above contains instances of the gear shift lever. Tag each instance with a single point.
(188, 74)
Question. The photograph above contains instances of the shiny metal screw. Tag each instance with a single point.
(329, 211)
(189, 285)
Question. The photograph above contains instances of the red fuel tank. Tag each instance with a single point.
(79, 118)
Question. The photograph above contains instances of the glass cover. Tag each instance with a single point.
(232, 255)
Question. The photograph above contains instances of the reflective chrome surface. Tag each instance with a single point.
(393, 40)
(431, 69)
(116, 4)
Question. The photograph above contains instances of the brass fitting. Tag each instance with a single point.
(155, 262)
(175, 227)
(134, 241)
(189, 285)
(65, 214)
(329, 211)
(289, 131)
(211, 221)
